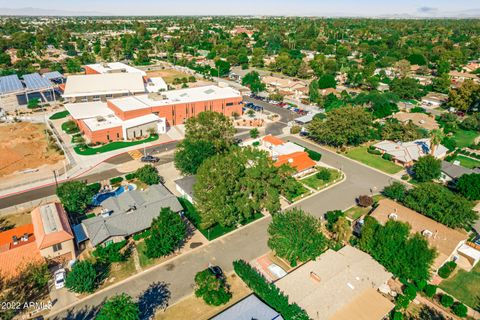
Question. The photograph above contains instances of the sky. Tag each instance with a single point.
(414, 8)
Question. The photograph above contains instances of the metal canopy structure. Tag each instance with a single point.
(54, 75)
(35, 82)
(10, 84)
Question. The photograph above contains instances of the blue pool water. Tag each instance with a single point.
(100, 197)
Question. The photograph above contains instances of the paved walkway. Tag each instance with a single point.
(175, 277)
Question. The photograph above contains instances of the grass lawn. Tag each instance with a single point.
(317, 184)
(59, 115)
(299, 193)
(465, 286)
(214, 231)
(88, 151)
(70, 127)
(464, 138)
(144, 260)
(356, 212)
(467, 162)
(373, 160)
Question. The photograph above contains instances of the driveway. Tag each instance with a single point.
(174, 279)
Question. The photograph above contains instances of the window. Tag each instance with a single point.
(141, 132)
(229, 104)
(109, 96)
(57, 247)
(96, 98)
(84, 99)
(108, 137)
(118, 135)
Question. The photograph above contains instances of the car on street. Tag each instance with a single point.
(59, 278)
(150, 159)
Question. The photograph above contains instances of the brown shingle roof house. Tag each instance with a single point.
(339, 285)
(446, 240)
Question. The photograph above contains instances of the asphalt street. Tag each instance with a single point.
(174, 280)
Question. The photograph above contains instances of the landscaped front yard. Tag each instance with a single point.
(465, 286)
(88, 151)
(376, 161)
(315, 182)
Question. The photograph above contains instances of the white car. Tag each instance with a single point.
(59, 278)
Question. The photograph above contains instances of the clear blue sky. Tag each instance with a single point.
(427, 8)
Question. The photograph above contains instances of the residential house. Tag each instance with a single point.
(449, 243)
(290, 154)
(340, 285)
(422, 120)
(130, 213)
(48, 238)
(286, 86)
(471, 66)
(406, 153)
(185, 187)
(249, 308)
(452, 171)
(460, 77)
(434, 100)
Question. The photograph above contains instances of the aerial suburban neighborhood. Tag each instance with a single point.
(224, 161)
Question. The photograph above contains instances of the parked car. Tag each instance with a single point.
(217, 272)
(150, 159)
(59, 278)
(249, 105)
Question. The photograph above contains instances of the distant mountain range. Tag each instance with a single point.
(46, 12)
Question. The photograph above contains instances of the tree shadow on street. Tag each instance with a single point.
(86, 313)
(154, 298)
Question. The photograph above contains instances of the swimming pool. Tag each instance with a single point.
(100, 197)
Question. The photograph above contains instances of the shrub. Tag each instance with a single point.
(141, 235)
(387, 156)
(295, 129)
(446, 270)
(396, 191)
(256, 143)
(111, 252)
(420, 284)
(332, 217)
(374, 151)
(405, 177)
(315, 156)
(324, 174)
(430, 290)
(396, 315)
(116, 180)
(446, 301)
(130, 176)
(365, 201)
(410, 291)
(402, 302)
(82, 278)
(268, 292)
(148, 174)
(94, 187)
(460, 309)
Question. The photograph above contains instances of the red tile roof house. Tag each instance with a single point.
(289, 153)
(48, 237)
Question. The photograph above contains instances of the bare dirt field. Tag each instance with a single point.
(24, 146)
(168, 74)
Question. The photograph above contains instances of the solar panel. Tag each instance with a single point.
(10, 84)
(34, 81)
(53, 75)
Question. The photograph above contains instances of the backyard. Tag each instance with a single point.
(464, 138)
(376, 161)
(467, 162)
(465, 286)
(316, 182)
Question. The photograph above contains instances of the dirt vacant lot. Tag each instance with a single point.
(24, 146)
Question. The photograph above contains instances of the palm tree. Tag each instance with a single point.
(436, 136)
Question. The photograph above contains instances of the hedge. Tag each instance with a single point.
(446, 270)
(374, 151)
(116, 180)
(268, 292)
(130, 176)
(314, 155)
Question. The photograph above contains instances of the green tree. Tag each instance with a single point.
(73, 65)
(148, 174)
(190, 154)
(119, 307)
(460, 309)
(82, 278)
(396, 191)
(342, 230)
(252, 80)
(254, 133)
(406, 88)
(427, 168)
(468, 185)
(397, 131)
(234, 187)
(212, 289)
(222, 68)
(296, 236)
(213, 127)
(344, 126)
(464, 97)
(167, 233)
(75, 196)
(313, 93)
(327, 81)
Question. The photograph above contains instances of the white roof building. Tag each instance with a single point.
(408, 152)
(156, 84)
(286, 148)
(114, 67)
(103, 84)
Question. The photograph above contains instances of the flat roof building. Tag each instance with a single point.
(111, 67)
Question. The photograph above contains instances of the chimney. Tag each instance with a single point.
(25, 237)
(315, 277)
(15, 240)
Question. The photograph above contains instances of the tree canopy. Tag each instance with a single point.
(82, 278)
(213, 290)
(252, 80)
(468, 185)
(119, 307)
(211, 126)
(75, 196)
(167, 233)
(427, 168)
(190, 154)
(296, 236)
(148, 174)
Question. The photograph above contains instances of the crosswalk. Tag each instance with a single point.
(135, 154)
